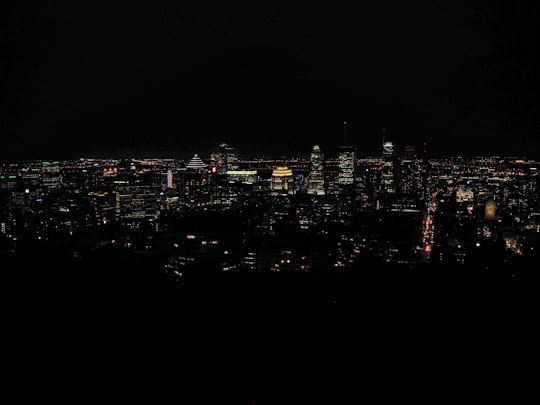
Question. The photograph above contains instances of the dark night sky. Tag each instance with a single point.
(174, 78)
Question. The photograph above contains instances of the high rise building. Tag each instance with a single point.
(490, 208)
(193, 182)
(51, 177)
(316, 174)
(347, 165)
(224, 158)
(387, 175)
(407, 173)
(137, 202)
(170, 182)
(408, 152)
(103, 205)
(282, 181)
(388, 149)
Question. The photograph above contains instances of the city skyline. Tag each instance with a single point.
(259, 249)
(107, 79)
(317, 214)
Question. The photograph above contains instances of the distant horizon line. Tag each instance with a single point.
(271, 155)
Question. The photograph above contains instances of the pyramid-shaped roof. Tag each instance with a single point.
(196, 163)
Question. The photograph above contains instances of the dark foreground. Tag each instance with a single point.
(124, 333)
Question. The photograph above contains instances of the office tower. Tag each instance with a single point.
(387, 176)
(51, 177)
(170, 183)
(194, 180)
(242, 176)
(347, 165)
(408, 152)
(346, 182)
(137, 202)
(464, 194)
(29, 177)
(316, 174)
(282, 181)
(103, 205)
(388, 149)
(224, 158)
(425, 152)
(408, 179)
(490, 209)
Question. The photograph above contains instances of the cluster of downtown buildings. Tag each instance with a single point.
(309, 213)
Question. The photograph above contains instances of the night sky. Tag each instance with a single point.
(173, 78)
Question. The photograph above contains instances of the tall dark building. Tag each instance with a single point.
(408, 152)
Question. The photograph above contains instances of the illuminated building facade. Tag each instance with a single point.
(170, 182)
(347, 165)
(242, 176)
(50, 175)
(490, 209)
(137, 202)
(196, 163)
(225, 158)
(387, 175)
(464, 194)
(282, 181)
(103, 203)
(316, 174)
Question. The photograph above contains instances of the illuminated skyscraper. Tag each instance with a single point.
(387, 176)
(194, 180)
(347, 165)
(388, 149)
(490, 208)
(103, 203)
(316, 174)
(50, 175)
(282, 181)
(407, 172)
(170, 183)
